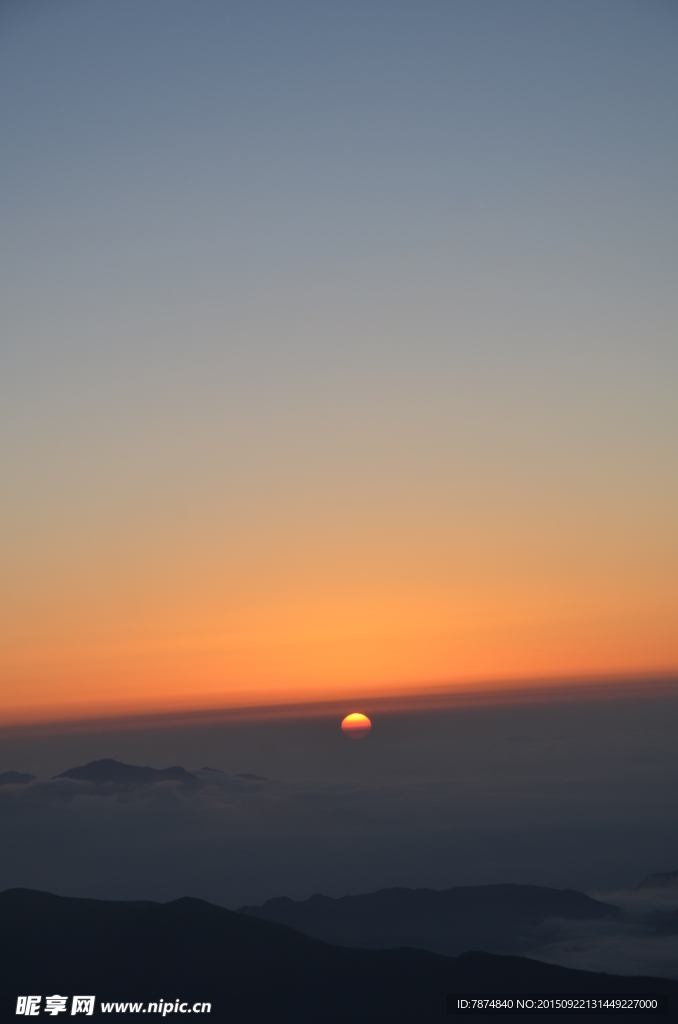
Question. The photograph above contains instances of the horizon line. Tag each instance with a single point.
(449, 696)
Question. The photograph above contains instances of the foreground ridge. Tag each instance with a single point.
(251, 970)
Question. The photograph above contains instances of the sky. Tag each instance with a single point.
(337, 349)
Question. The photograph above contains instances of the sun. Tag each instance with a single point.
(356, 726)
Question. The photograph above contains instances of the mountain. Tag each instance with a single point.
(15, 778)
(668, 880)
(127, 774)
(494, 918)
(255, 971)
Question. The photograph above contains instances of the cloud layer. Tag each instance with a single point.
(569, 796)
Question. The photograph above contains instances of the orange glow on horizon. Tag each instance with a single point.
(204, 708)
(134, 641)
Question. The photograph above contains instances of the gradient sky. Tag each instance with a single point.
(338, 348)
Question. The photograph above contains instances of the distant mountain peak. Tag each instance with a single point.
(495, 918)
(120, 774)
(662, 880)
(15, 778)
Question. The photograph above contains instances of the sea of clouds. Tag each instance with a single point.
(570, 798)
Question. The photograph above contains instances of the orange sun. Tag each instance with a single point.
(356, 725)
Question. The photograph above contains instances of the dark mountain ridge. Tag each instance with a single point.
(15, 778)
(108, 770)
(661, 880)
(251, 970)
(493, 918)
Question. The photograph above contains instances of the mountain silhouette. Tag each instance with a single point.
(15, 778)
(255, 971)
(121, 774)
(667, 880)
(493, 918)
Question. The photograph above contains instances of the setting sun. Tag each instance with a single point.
(356, 725)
